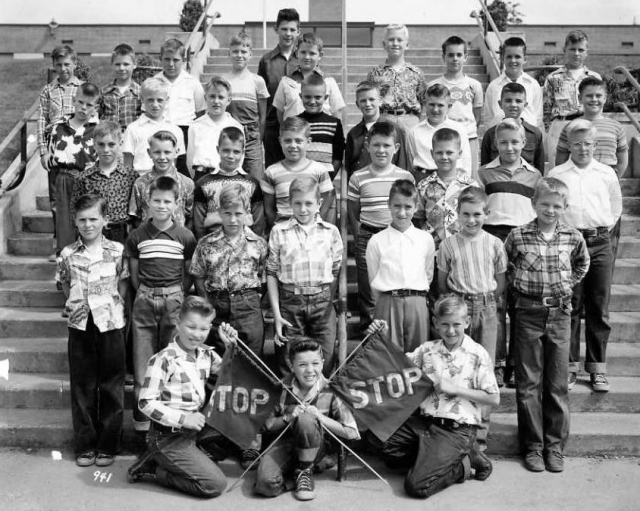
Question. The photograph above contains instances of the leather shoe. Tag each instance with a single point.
(142, 470)
(480, 463)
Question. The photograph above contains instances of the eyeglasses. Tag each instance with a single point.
(588, 144)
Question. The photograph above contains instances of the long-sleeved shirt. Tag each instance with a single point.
(56, 101)
(493, 114)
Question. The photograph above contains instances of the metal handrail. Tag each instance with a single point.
(496, 61)
(489, 18)
(20, 129)
(629, 114)
(192, 37)
(627, 74)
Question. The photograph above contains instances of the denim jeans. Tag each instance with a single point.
(365, 299)
(253, 154)
(65, 229)
(153, 320)
(96, 370)
(541, 351)
(272, 148)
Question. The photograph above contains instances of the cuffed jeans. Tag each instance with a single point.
(65, 229)
(253, 162)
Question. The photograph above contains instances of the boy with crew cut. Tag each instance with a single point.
(305, 254)
(547, 258)
(514, 56)
(466, 93)
(272, 67)
(368, 193)
(120, 101)
(159, 253)
(248, 104)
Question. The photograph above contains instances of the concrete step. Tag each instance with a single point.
(357, 60)
(28, 268)
(32, 322)
(31, 390)
(30, 293)
(38, 355)
(37, 221)
(629, 247)
(43, 203)
(627, 271)
(356, 70)
(625, 298)
(630, 225)
(376, 52)
(631, 205)
(36, 428)
(30, 244)
(630, 186)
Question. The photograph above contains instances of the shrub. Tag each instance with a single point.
(147, 67)
(191, 12)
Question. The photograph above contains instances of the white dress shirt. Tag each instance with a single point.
(493, 114)
(419, 145)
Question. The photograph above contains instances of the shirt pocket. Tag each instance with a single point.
(532, 261)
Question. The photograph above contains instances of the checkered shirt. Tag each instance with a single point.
(56, 101)
(123, 109)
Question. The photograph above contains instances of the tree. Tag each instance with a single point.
(191, 12)
(503, 13)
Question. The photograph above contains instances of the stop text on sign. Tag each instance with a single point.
(391, 385)
(239, 399)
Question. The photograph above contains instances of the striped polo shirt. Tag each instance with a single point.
(610, 138)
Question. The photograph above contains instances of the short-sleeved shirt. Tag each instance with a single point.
(161, 255)
(121, 107)
(56, 101)
(468, 366)
(277, 179)
(532, 113)
(532, 151)
(357, 154)
(466, 94)
(287, 98)
(403, 88)
(230, 265)
(72, 148)
(136, 140)
(209, 187)
(560, 93)
(610, 138)
(472, 264)
(420, 144)
(204, 133)
(272, 67)
(371, 190)
(246, 90)
(93, 284)
(186, 98)
(327, 138)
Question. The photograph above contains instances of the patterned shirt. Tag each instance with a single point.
(72, 149)
(230, 265)
(532, 151)
(93, 284)
(611, 139)
(287, 98)
(532, 113)
(560, 93)
(272, 67)
(304, 255)
(56, 101)
(186, 98)
(327, 139)
(542, 267)
(466, 94)
(468, 366)
(401, 89)
(420, 144)
(438, 204)
(116, 188)
(121, 107)
(136, 140)
(139, 203)
(203, 137)
(174, 385)
(357, 153)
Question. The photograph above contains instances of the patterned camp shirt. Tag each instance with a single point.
(401, 89)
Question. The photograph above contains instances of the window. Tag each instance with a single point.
(144, 41)
(549, 44)
(67, 41)
(627, 44)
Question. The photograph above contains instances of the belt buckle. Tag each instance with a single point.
(175, 430)
(395, 292)
(547, 301)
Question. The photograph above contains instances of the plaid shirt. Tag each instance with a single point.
(93, 284)
(174, 385)
(304, 256)
(401, 89)
(228, 265)
(538, 267)
(560, 93)
(121, 108)
(72, 149)
(272, 67)
(56, 100)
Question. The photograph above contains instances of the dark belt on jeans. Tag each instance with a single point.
(569, 117)
(117, 225)
(446, 423)
(480, 297)
(592, 233)
(371, 228)
(223, 293)
(398, 112)
(547, 301)
(304, 290)
(159, 291)
(405, 292)
(161, 428)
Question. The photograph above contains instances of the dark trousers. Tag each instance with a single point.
(438, 457)
(541, 349)
(272, 149)
(181, 160)
(51, 178)
(253, 155)
(592, 294)
(96, 370)
(65, 229)
(365, 298)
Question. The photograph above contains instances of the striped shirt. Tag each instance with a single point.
(277, 179)
(611, 139)
(287, 98)
(419, 145)
(509, 192)
(560, 93)
(327, 138)
(466, 94)
(186, 98)
(247, 89)
(136, 140)
(174, 384)
(472, 263)
(161, 255)
(56, 101)
(304, 256)
(370, 188)
(203, 139)
(123, 108)
(541, 267)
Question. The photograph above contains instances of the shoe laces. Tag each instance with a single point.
(304, 481)
(555, 454)
(599, 379)
(250, 454)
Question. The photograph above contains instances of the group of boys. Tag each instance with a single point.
(442, 228)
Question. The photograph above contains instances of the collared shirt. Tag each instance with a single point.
(272, 67)
(370, 189)
(203, 139)
(287, 98)
(546, 267)
(466, 94)
(509, 192)
(247, 89)
(56, 101)
(560, 93)
(468, 366)
(532, 113)
(230, 265)
(174, 384)
(357, 153)
(400, 260)
(611, 138)
(115, 188)
(123, 108)
(72, 148)
(532, 152)
(186, 98)
(419, 144)
(139, 203)
(93, 284)
(401, 89)
(472, 264)
(308, 255)
(438, 204)
(136, 140)
(595, 199)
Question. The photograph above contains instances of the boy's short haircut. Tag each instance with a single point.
(297, 124)
(218, 82)
(241, 39)
(286, 15)
(173, 45)
(396, 27)
(473, 195)
(449, 304)
(509, 125)
(165, 184)
(89, 90)
(591, 81)
(437, 90)
(233, 134)
(366, 86)
(123, 50)
(163, 136)
(151, 85)
(575, 36)
(234, 195)
(88, 201)
(304, 184)
(313, 80)
(405, 188)
(302, 344)
(513, 42)
(550, 186)
(513, 88)
(454, 40)
(384, 129)
(446, 135)
(106, 128)
(311, 39)
(63, 51)
(579, 126)
(196, 305)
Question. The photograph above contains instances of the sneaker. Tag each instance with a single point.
(533, 461)
(481, 463)
(599, 382)
(554, 461)
(104, 460)
(142, 470)
(304, 485)
(573, 377)
(247, 457)
(499, 372)
(86, 459)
